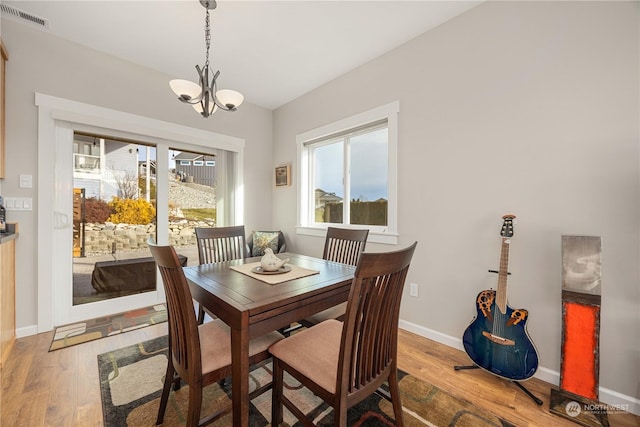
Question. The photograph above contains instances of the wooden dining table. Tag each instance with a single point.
(252, 307)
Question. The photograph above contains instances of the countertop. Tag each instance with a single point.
(11, 234)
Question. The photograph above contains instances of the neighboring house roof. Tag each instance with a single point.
(193, 156)
(187, 156)
(323, 196)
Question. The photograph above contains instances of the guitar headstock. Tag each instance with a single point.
(507, 226)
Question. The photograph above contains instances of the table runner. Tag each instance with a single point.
(273, 279)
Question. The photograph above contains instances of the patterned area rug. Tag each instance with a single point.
(131, 380)
(89, 330)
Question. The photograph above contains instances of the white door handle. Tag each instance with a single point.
(60, 220)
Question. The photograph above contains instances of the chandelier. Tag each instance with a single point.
(203, 96)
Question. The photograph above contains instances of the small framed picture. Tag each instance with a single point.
(283, 176)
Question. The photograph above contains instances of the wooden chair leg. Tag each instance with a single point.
(276, 392)
(200, 315)
(168, 380)
(177, 383)
(195, 405)
(340, 416)
(395, 397)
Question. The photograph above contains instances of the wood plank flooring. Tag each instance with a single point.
(61, 388)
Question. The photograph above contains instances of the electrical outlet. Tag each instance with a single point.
(26, 181)
(413, 289)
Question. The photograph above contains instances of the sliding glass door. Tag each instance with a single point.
(115, 194)
(66, 148)
(114, 213)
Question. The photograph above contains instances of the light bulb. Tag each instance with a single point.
(212, 107)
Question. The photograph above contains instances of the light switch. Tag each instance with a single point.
(26, 181)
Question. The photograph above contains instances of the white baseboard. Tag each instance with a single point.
(26, 331)
(609, 397)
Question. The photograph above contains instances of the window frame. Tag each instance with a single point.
(378, 234)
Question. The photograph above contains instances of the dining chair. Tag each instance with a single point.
(217, 244)
(199, 355)
(345, 362)
(344, 246)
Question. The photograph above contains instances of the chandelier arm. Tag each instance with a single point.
(213, 89)
(221, 105)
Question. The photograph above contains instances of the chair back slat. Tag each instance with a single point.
(344, 245)
(184, 341)
(370, 332)
(217, 244)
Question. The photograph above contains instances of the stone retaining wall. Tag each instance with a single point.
(101, 238)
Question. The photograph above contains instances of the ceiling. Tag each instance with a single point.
(271, 51)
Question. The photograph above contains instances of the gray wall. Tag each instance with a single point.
(514, 107)
(41, 63)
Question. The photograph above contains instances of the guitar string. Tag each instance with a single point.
(499, 317)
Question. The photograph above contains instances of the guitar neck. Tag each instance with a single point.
(501, 294)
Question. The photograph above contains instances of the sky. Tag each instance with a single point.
(368, 167)
(142, 155)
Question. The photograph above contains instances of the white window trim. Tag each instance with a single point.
(390, 111)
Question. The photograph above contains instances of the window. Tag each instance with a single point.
(86, 154)
(185, 162)
(353, 168)
(210, 163)
(348, 175)
(198, 163)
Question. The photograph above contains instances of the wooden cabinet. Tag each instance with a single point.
(3, 61)
(7, 295)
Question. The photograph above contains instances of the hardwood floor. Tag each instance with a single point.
(433, 363)
(61, 388)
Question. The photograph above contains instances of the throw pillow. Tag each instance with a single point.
(263, 240)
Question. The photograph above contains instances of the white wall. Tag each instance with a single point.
(530, 108)
(41, 63)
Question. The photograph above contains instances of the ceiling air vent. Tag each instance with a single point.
(22, 16)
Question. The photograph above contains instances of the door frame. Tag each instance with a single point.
(58, 118)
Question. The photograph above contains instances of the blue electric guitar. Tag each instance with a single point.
(497, 339)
